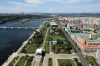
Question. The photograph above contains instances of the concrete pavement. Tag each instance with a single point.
(57, 56)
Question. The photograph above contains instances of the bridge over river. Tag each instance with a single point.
(19, 28)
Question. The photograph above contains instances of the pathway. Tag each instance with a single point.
(17, 61)
(57, 56)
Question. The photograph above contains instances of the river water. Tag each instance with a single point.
(11, 40)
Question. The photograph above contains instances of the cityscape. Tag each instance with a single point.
(50, 33)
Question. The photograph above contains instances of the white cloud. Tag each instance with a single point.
(69, 1)
(35, 1)
(17, 9)
(23, 4)
(10, 9)
(77, 1)
(63, 8)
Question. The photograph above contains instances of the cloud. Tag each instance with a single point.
(69, 1)
(10, 9)
(35, 1)
(60, 1)
(69, 7)
(23, 4)
(77, 1)
(38, 2)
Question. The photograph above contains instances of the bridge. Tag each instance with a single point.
(19, 28)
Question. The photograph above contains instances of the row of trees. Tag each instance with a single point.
(92, 60)
(77, 62)
(37, 38)
(50, 62)
(60, 47)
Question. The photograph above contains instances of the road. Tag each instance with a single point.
(79, 53)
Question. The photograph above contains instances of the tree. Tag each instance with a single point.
(24, 50)
(58, 41)
(79, 64)
(54, 46)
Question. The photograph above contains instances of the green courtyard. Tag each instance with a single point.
(65, 62)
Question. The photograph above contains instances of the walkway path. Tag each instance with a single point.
(16, 61)
(57, 56)
(36, 61)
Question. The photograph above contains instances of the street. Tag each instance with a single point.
(80, 54)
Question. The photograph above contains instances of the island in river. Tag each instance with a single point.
(23, 21)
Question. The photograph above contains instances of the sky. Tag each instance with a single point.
(50, 6)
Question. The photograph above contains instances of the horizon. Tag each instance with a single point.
(50, 6)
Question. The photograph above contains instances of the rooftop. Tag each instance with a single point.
(53, 23)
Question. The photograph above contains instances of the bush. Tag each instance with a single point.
(75, 59)
(92, 60)
(50, 62)
(79, 64)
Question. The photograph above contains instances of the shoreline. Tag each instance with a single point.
(15, 54)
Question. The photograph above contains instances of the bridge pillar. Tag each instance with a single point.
(19, 28)
(32, 28)
(5, 28)
(26, 28)
(12, 28)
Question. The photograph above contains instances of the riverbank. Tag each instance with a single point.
(17, 52)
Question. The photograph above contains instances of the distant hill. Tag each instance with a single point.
(79, 14)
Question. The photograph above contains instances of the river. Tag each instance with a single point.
(11, 40)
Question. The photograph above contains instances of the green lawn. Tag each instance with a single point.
(48, 35)
(50, 62)
(29, 60)
(32, 48)
(21, 61)
(58, 37)
(65, 62)
(46, 47)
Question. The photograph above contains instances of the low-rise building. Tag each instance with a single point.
(53, 24)
(40, 51)
(88, 42)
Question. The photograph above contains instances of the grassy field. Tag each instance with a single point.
(50, 62)
(48, 35)
(32, 48)
(58, 37)
(46, 47)
(65, 62)
(29, 60)
(21, 61)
